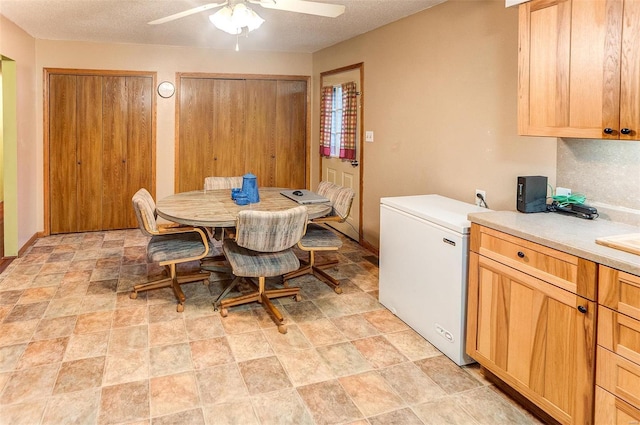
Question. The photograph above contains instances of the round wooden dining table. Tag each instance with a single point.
(215, 208)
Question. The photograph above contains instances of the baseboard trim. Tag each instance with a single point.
(5, 261)
(28, 244)
(369, 247)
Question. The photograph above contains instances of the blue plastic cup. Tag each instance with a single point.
(234, 192)
(242, 199)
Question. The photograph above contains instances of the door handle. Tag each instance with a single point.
(355, 163)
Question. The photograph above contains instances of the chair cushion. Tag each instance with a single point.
(175, 247)
(248, 263)
(318, 236)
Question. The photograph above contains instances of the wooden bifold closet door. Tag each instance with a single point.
(100, 149)
(229, 127)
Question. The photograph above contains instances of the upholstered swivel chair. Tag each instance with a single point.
(262, 248)
(319, 237)
(168, 247)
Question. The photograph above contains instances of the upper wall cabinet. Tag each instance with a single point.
(579, 69)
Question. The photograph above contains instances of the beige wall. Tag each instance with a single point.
(440, 95)
(21, 183)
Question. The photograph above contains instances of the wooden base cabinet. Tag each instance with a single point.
(534, 335)
(618, 367)
(613, 411)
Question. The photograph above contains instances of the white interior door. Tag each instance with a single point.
(346, 173)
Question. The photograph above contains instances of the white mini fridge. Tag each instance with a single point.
(423, 267)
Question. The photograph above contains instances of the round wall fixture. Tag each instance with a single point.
(166, 89)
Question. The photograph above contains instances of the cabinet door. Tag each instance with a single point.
(630, 71)
(62, 153)
(229, 126)
(613, 411)
(538, 338)
(260, 131)
(568, 68)
(89, 151)
(195, 149)
(291, 134)
(139, 152)
(114, 121)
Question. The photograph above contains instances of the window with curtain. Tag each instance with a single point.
(338, 121)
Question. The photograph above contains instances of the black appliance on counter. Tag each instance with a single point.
(531, 194)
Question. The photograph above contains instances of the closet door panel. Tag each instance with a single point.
(291, 118)
(229, 142)
(114, 120)
(139, 170)
(62, 153)
(89, 148)
(195, 147)
(260, 130)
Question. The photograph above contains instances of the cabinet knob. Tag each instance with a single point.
(582, 309)
(520, 254)
(625, 130)
(608, 130)
(215, 158)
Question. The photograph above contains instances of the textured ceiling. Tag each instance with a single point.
(125, 21)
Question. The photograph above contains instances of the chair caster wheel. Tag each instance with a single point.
(282, 329)
(224, 312)
(297, 297)
(133, 295)
(338, 290)
(180, 308)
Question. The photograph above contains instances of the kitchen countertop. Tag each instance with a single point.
(565, 233)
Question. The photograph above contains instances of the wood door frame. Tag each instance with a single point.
(324, 74)
(46, 148)
(225, 76)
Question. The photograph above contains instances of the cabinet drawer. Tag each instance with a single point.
(567, 271)
(618, 376)
(619, 333)
(619, 291)
(613, 411)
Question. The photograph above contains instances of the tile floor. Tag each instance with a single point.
(75, 349)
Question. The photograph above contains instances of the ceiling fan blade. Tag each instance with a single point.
(187, 13)
(303, 6)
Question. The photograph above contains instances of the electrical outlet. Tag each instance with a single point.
(478, 200)
(563, 191)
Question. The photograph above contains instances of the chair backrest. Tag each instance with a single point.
(326, 189)
(145, 208)
(271, 231)
(215, 182)
(341, 198)
(343, 202)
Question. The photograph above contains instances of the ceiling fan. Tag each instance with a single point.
(298, 6)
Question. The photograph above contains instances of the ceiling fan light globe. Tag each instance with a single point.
(233, 19)
(222, 20)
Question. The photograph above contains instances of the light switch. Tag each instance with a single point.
(368, 136)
